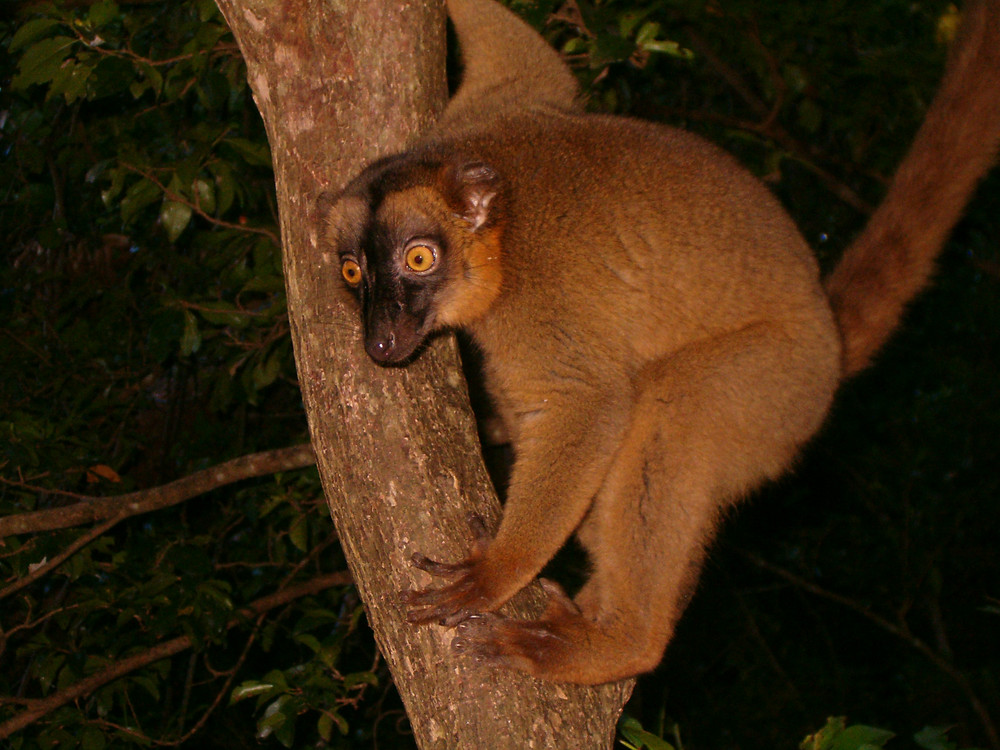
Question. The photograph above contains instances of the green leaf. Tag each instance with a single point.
(298, 533)
(279, 719)
(285, 733)
(175, 217)
(103, 13)
(72, 81)
(647, 33)
(861, 737)
(608, 48)
(254, 153)
(310, 641)
(139, 195)
(225, 186)
(49, 669)
(207, 9)
(205, 194)
(224, 314)
(269, 283)
(213, 93)
(934, 738)
(270, 504)
(165, 330)
(92, 738)
(324, 727)
(360, 678)
(153, 77)
(29, 32)
(272, 719)
(796, 78)
(823, 739)
(629, 20)
(111, 76)
(638, 738)
(647, 40)
(342, 726)
(836, 736)
(810, 115)
(268, 371)
(666, 47)
(42, 61)
(99, 170)
(277, 677)
(191, 338)
(249, 689)
(117, 183)
(148, 684)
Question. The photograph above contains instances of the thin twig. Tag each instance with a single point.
(177, 198)
(126, 53)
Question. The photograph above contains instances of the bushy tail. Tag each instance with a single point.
(893, 258)
(504, 61)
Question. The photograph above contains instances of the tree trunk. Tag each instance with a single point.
(339, 84)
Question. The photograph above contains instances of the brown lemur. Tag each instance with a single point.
(655, 332)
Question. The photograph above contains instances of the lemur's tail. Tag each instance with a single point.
(505, 60)
(957, 144)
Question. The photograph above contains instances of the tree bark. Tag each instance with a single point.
(340, 83)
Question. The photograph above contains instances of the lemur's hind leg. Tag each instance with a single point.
(710, 423)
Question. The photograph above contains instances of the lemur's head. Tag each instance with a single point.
(419, 245)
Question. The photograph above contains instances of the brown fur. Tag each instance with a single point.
(654, 329)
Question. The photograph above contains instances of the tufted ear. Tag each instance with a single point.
(474, 187)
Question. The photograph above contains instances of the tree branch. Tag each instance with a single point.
(39, 708)
(135, 503)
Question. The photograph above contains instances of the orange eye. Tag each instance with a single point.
(420, 258)
(351, 272)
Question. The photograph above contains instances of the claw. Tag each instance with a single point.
(439, 615)
(424, 608)
(476, 636)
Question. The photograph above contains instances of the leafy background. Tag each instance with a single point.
(143, 337)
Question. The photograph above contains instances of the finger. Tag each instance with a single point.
(449, 597)
(442, 614)
(445, 570)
